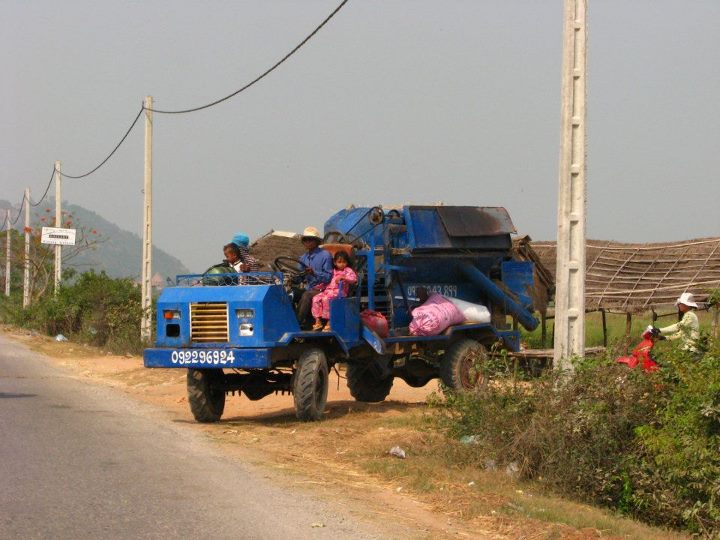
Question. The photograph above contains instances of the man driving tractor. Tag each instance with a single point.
(317, 272)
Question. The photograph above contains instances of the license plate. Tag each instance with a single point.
(203, 357)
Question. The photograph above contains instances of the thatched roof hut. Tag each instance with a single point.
(276, 244)
(636, 277)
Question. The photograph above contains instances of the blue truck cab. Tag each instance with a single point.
(239, 332)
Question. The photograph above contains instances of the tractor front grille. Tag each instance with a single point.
(209, 322)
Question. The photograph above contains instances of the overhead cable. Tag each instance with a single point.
(14, 221)
(262, 76)
(52, 176)
(111, 153)
(143, 108)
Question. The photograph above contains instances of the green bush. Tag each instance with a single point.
(95, 309)
(644, 444)
(675, 472)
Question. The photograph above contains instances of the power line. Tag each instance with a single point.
(143, 108)
(52, 177)
(20, 211)
(111, 153)
(263, 75)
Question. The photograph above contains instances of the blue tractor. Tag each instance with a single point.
(239, 332)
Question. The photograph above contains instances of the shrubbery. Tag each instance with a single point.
(95, 309)
(646, 445)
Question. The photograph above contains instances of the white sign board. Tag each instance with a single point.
(58, 236)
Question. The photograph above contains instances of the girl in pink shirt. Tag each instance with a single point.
(344, 274)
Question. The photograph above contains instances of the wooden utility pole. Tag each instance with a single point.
(26, 273)
(570, 274)
(145, 325)
(58, 223)
(8, 252)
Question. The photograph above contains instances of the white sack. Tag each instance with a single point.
(475, 313)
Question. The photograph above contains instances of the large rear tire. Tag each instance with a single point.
(206, 394)
(365, 386)
(310, 386)
(462, 367)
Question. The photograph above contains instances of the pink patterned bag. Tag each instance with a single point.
(434, 316)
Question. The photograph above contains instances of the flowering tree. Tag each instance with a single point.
(42, 256)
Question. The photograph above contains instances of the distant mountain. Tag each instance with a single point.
(119, 252)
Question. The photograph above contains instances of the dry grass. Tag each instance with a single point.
(346, 456)
(350, 449)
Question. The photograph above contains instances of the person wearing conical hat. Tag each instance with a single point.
(318, 271)
(688, 328)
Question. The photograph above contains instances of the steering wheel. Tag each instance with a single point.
(290, 265)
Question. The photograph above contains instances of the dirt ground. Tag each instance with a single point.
(345, 456)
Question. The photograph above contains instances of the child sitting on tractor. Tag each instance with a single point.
(343, 275)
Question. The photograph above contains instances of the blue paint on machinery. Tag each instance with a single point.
(247, 322)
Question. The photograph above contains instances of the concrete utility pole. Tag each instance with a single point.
(570, 273)
(26, 274)
(145, 325)
(8, 252)
(58, 223)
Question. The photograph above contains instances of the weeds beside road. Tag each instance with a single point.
(95, 309)
(440, 486)
(645, 445)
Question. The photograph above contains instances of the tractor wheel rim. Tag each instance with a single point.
(470, 374)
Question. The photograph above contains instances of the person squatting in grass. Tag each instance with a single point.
(343, 276)
(688, 328)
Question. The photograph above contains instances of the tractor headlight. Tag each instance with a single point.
(246, 329)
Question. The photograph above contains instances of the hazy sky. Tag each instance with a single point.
(392, 102)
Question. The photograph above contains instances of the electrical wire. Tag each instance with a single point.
(143, 108)
(54, 171)
(52, 177)
(20, 211)
(111, 153)
(263, 75)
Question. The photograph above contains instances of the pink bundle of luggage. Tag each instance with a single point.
(434, 316)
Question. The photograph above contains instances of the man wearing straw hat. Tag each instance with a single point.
(688, 329)
(318, 270)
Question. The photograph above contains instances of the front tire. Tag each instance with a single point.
(365, 386)
(310, 385)
(463, 364)
(206, 394)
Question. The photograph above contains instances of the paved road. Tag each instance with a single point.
(82, 461)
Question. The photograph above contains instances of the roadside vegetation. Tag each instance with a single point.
(644, 445)
(92, 308)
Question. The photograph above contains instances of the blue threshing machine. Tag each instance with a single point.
(240, 333)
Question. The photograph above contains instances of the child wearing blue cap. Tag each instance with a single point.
(241, 240)
(240, 258)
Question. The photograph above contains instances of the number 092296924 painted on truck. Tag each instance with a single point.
(195, 357)
(239, 332)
